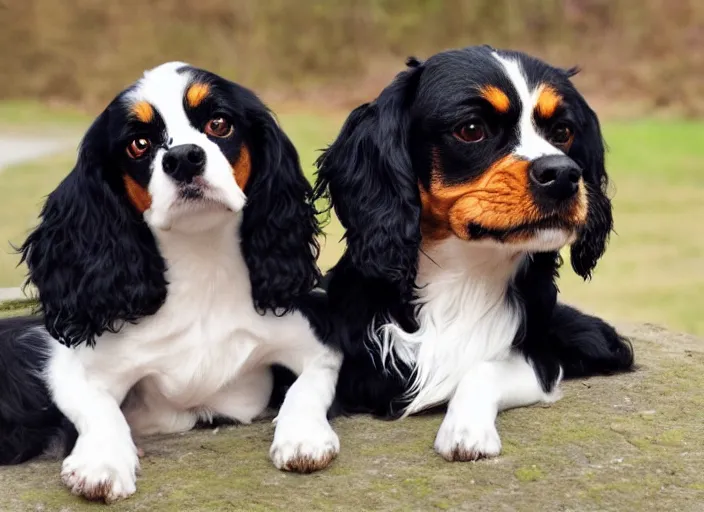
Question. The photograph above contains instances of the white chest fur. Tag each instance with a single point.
(205, 352)
(463, 314)
(207, 333)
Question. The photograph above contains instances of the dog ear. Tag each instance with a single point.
(279, 229)
(573, 71)
(588, 151)
(92, 258)
(368, 177)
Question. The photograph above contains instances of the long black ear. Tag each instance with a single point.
(589, 153)
(279, 229)
(92, 258)
(368, 177)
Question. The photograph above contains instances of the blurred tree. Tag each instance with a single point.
(651, 51)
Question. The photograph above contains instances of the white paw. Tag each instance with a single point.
(461, 439)
(556, 393)
(101, 468)
(553, 396)
(303, 445)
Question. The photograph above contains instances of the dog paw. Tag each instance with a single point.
(466, 441)
(101, 469)
(553, 396)
(303, 445)
(556, 393)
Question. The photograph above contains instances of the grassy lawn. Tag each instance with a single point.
(28, 117)
(654, 268)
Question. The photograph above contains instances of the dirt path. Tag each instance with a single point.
(15, 149)
(629, 442)
(11, 294)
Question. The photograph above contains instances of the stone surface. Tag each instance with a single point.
(628, 442)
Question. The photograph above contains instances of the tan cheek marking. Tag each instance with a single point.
(548, 101)
(196, 94)
(433, 220)
(137, 194)
(578, 215)
(500, 199)
(243, 168)
(434, 210)
(143, 111)
(496, 97)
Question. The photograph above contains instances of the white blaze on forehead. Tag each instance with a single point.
(165, 88)
(531, 144)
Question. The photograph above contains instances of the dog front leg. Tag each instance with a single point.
(468, 431)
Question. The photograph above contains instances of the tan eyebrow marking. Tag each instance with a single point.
(196, 94)
(143, 111)
(498, 98)
(548, 101)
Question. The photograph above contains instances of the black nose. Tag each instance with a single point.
(184, 162)
(556, 176)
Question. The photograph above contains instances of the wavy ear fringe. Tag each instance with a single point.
(592, 240)
(279, 229)
(92, 258)
(368, 178)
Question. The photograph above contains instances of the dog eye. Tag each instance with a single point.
(219, 127)
(561, 135)
(138, 147)
(474, 131)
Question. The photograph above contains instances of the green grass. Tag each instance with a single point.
(652, 272)
(312, 133)
(32, 116)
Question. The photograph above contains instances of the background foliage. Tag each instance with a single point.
(641, 54)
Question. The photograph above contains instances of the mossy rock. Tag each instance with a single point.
(628, 442)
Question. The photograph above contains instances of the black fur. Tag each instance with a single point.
(29, 421)
(369, 164)
(586, 345)
(92, 257)
(96, 264)
(367, 174)
(555, 335)
(111, 270)
(589, 153)
(371, 173)
(279, 229)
